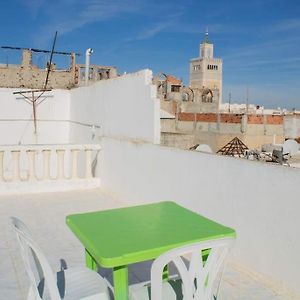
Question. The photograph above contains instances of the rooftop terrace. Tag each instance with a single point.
(120, 117)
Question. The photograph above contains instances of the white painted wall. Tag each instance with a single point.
(122, 107)
(16, 125)
(125, 106)
(259, 200)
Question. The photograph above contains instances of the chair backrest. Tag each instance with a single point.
(32, 255)
(198, 275)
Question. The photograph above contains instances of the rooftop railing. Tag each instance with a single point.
(44, 163)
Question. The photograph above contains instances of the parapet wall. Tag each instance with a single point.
(256, 199)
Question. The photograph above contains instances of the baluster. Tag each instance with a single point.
(60, 163)
(16, 165)
(1, 166)
(75, 153)
(46, 158)
(88, 163)
(31, 170)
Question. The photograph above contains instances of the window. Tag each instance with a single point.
(212, 67)
(197, 67)
(175, 88)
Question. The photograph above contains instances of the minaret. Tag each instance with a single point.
(205, 70)
(206, 48)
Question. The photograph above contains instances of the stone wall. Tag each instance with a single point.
(218, 129)
(30, 76)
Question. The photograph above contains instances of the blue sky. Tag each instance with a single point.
(259, 40)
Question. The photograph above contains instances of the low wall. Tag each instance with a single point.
(47, 168)
(257, 199)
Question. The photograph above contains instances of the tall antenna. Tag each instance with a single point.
(50, 62)
(229, 101)
(33, 99)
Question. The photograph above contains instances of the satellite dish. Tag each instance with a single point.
(204, 148)
(291, 147)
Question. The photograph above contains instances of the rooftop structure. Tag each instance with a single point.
(234, 148)
(27, 75)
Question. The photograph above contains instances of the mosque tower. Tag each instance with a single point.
(205, 70)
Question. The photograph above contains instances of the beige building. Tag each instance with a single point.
(205, 70)
(28, 75)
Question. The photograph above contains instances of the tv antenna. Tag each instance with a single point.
(33, 97)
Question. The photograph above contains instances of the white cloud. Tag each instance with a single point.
(68, 15)
(155, 29)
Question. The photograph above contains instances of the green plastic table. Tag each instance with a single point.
(119, 237)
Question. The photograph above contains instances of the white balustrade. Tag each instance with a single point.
(46, 159)
(16, 165)
(46, 162)
(60, 163)
(75, 153)
(31, 164)
(88, 169)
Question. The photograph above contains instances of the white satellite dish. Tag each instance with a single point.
(291, 147)
(204, 148)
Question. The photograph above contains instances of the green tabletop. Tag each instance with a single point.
(118, 237)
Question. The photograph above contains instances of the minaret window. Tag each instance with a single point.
(212, 67)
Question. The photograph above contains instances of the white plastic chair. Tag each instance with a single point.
(198, 278)
(69, 284)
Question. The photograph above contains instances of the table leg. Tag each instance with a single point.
(90, 261)
(120, 276)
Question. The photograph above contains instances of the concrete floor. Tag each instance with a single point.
(45, 215)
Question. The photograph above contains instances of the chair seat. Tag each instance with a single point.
(80, 283)
(172, 290)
